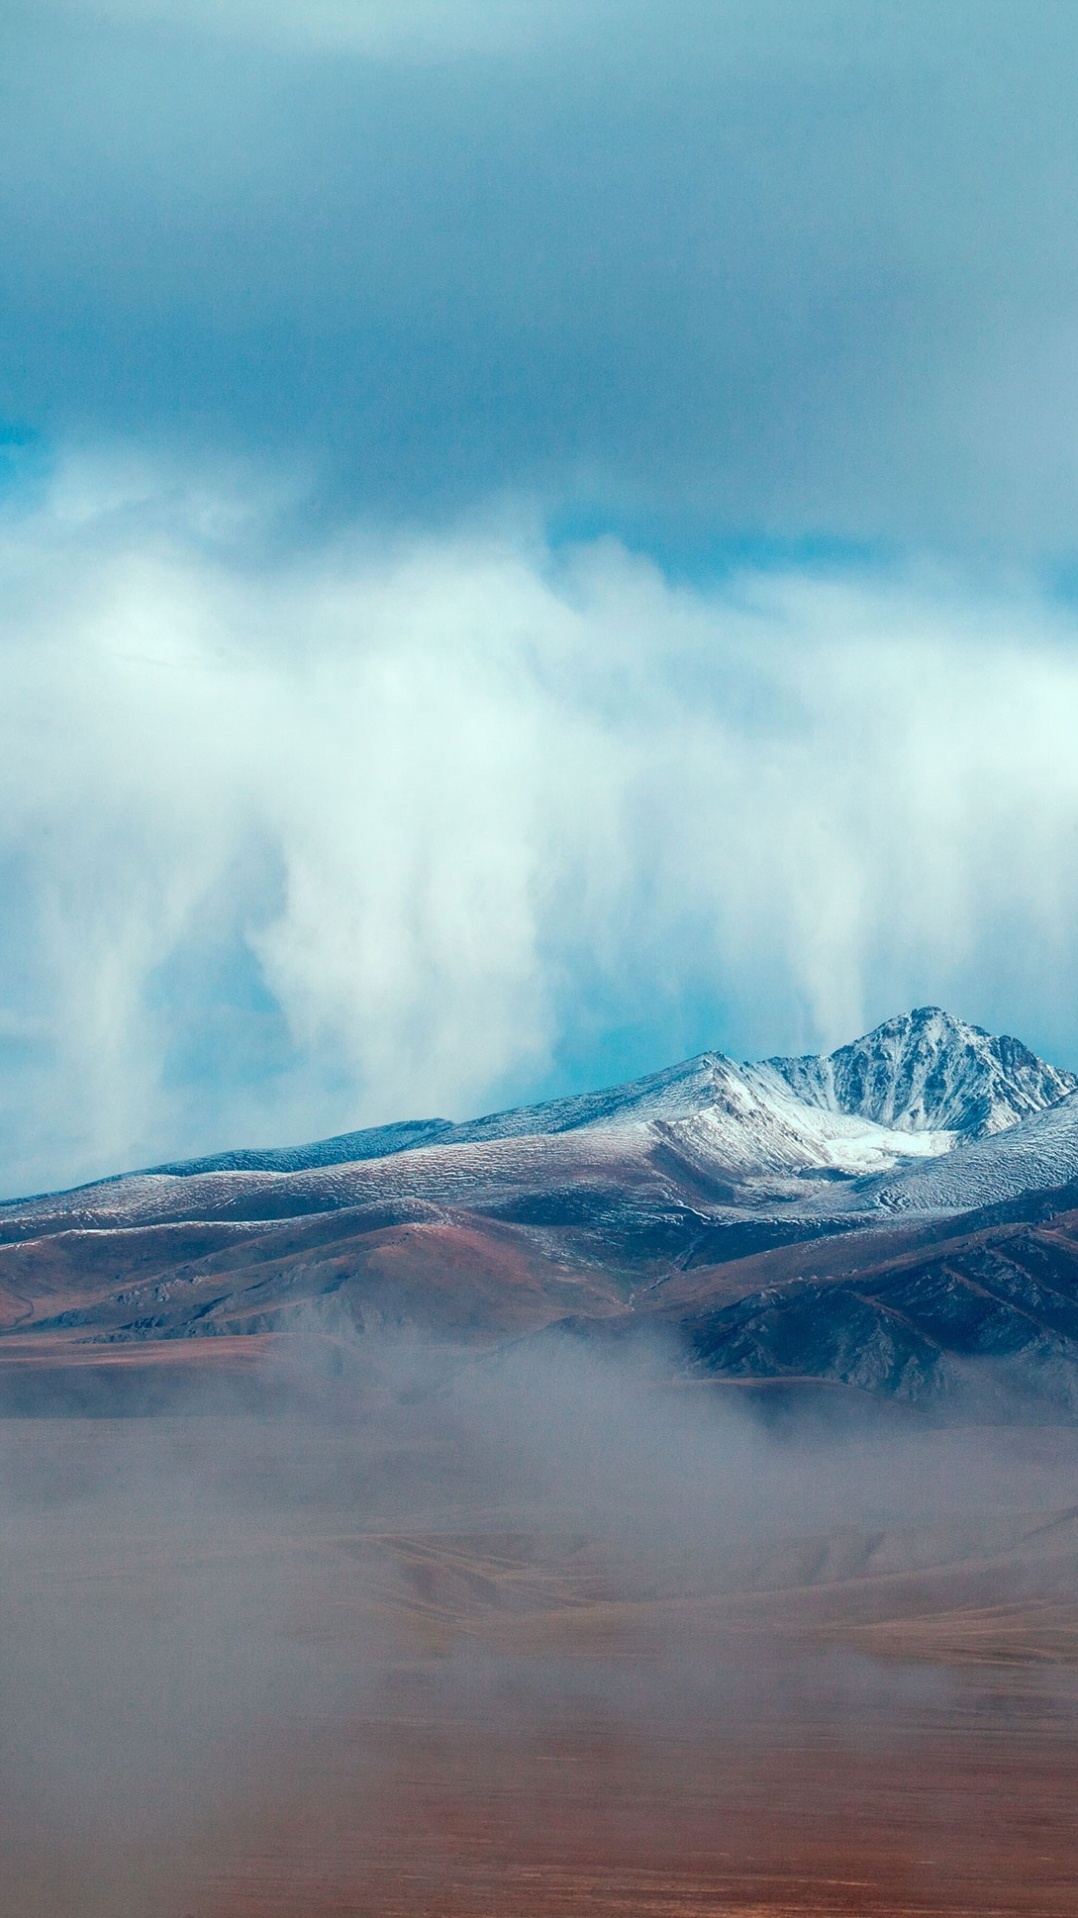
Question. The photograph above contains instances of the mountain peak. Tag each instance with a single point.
(928, 1071)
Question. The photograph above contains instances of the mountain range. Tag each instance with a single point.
(898, 1218)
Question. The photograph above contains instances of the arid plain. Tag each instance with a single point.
(421, 1633)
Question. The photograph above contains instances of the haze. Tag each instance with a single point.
(422, 1633)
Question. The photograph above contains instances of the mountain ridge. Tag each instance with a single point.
(928, 1071)
(763, 1215)
(919, 1072)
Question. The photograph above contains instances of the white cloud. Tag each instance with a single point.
(423, 796)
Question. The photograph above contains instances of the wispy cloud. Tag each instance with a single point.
(375, 830)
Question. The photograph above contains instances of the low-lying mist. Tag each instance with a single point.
(234, 1636)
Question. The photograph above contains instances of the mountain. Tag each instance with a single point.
(929, 1072)
(921, 1074)
(821, 1218)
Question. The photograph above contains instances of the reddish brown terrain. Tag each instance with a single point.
(92, 1318)
(888, 1220)
(658, 1503)
(406, 1658)
(680, 1822)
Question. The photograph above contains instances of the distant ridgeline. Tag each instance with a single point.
(898, 1218)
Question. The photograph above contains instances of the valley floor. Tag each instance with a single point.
(919, 1811)
(418, 1655)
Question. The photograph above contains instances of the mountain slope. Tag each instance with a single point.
(927, 1071)
(989, 1312)
(1037, 1155)
(915, 1086)
(756, 1117)
(765, 1214)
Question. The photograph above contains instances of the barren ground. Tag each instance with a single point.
(261, 1670)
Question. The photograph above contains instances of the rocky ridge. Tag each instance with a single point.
(764, 1214)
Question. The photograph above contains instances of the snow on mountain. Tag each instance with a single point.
(914, 1087)
(1038, 1155)
(345, 1148)
(911, 1090)
(743, 1116)
(812, 1182)
(741, 1119)
(927, 1071)
(750, 1123)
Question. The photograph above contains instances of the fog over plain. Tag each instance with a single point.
(226, 1632)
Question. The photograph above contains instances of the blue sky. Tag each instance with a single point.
(534, 539)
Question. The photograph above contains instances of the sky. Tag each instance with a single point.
(535, 539)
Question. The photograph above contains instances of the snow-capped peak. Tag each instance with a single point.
(912, 1089)
(927, 1071)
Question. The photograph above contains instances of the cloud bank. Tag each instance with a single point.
(795, 267)
(414, 826)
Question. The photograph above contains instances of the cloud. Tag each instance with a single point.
(792, 268)
(396, 827)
